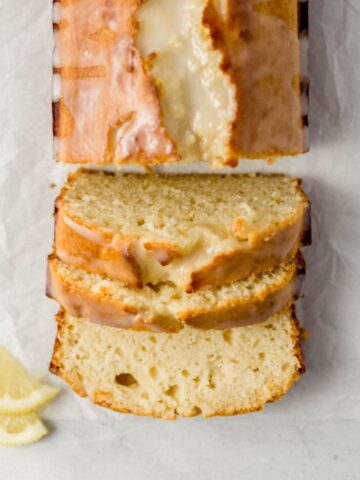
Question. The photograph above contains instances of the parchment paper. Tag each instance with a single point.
(330, 390)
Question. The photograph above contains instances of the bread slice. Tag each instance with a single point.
(191, 372)
(237, 91)
(168, 308)
(191, 230)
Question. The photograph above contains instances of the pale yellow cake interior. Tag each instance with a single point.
(187, 373)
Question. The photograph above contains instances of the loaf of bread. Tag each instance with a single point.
(166, 307)
(192, 230)
(213, 372)
(237, 92)
(177, 291)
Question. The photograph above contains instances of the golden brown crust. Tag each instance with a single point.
(106, 400)
(297, 337)
(95, 257)
(87, 246)
(56, 366)
(267, 249)
(101, 308)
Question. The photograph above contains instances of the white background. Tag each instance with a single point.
(314, 432)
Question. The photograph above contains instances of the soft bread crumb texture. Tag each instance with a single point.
(184, 374)
(168, 300)
(183, 209)
(191, 230)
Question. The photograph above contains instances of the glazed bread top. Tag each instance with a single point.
(155, 81)
(192, 230)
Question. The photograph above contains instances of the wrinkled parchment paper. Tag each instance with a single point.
(330, 389)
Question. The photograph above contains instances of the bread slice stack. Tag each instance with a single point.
(177, 291)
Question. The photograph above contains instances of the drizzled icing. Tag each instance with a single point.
(105, 311)
(112, 101)
(208, 262)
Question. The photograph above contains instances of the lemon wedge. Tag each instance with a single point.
(21, 430)
(19, 392)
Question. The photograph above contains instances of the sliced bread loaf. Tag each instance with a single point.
(191, 230)
(191, 372)
(165, 307)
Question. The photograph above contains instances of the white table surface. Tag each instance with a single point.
(314, 432)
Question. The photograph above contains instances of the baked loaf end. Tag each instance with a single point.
(191, 230)
(187, 373)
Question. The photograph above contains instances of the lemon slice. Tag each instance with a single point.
(19, 392)
(21, 430)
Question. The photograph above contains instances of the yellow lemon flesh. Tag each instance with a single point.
(19, 392)
(21, 430)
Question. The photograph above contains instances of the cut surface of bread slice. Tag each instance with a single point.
(191, 230)
(168, 308)
(236, 92)
(191, 372)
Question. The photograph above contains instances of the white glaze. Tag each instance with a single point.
(56, 12)
(104, 310)
(56, 87)
(156, 264)
(197, 97)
